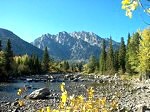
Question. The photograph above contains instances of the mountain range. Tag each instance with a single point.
(64, 45)
(19, 46)
(72, 46)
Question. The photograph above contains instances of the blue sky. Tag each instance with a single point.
(30, 19)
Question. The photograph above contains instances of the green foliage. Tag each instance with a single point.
(110, 58)
(2, 58)
(122, 55)
(27, 64)
(21, 67)
(8, 56)
(2, 65)
(80, 66)
(134, 58)
(128, 66)
(144, 53)
(102, 62)
(76, 67)
(116, 61)
(56, 66)
(45, 62)
(6, 61)
(91, 66)
(65, 65)
(132, 52)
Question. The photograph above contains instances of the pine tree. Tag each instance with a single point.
(110, 58)
(144, 54)
(122, 55)
(128, 66)
(37, 65)
(92, 64)
(102, 62)
(45, 62)
(8, 56)
(65, 65)
(80, 66)
(116, 61)
(31, 64)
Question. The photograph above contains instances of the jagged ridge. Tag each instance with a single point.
(72, 46)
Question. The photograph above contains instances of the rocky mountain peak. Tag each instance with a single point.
(75, 45)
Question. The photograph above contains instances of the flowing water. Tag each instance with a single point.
(8, 91)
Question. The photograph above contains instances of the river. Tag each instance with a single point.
(8, 91)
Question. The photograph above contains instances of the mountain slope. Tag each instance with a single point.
(74, 46)
(19, 46)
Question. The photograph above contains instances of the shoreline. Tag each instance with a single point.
(132, 96)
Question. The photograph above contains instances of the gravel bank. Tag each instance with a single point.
(133, 96)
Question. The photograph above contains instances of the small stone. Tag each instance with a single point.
(16, 99)
(16, 110)
(14, 103)
(8, 103)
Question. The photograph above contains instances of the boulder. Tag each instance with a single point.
(142, 108)
(39, 93)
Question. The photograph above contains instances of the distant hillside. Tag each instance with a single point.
(72, 46)
(19, 46)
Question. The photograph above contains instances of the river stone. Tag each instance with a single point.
(8, 103)
(39, 93)
(14, 103)
(143, 108)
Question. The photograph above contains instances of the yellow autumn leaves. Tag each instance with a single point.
(82, 104)
(129, 6)
(63, 95)
(144, 52)
(20, 92)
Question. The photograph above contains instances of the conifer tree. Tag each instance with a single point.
(65, 65)
(116, 61)
(110, 58)
(31, 64)
(102, 61)
(92, 64)
(122, 55)
(128, 66)
(45, 62)
(80, 66)
(37, 64)
(8, 56)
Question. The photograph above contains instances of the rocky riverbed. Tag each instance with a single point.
(132, 96)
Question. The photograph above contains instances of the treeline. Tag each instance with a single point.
(11, 65)
(133, 58)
